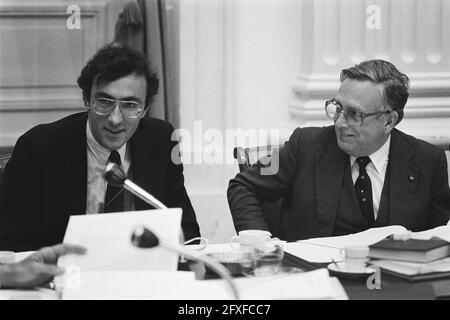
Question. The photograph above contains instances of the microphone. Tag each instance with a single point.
(115, 175)
(145, 238)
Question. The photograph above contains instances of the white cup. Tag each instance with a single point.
(7, 257)
(355, 258)
(249, 238)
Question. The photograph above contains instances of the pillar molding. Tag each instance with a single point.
(413, 35)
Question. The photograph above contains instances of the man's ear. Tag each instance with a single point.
(86, 103)
(391, 120)
(146, 111)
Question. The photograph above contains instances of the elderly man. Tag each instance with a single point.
(359, 173)
(56, 169)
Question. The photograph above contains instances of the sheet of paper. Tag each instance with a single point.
(313, 252)
(315, 284)
(326, 249)
(107, 238)
(29, 294)
(130, 285)
(364, 238)
(169, 285)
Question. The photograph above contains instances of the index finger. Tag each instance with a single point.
(66, 248)
(51, 254)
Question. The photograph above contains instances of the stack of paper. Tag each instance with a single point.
(107, 238)
(415, 270)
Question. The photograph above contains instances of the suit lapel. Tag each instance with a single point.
(143, 151)
(75, 178)
(330, 165)
(404, 176)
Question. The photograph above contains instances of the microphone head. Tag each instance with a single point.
(114, 174)
(144, 238)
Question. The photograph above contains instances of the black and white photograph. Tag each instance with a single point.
(222, 156)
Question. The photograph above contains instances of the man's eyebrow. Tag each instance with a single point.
(355, 108)
(105, 95)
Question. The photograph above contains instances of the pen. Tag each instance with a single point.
(335, 263)
(320, 244)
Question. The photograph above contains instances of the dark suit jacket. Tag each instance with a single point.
(310, 176)
(45, 180)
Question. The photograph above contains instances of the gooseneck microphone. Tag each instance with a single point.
(115, 175)
(144, 238)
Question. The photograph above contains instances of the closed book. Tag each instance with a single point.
(415, 271)
(414, 250)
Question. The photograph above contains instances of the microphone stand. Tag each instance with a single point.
(142, 194)
(116, 176)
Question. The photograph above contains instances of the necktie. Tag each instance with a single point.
(363, 190)
(114, 195)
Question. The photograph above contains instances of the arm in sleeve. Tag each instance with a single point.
(440, 194)
(248, 191)
(177, 195)
(20, 203)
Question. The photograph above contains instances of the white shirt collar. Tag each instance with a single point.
(379, 157)
(100, 152)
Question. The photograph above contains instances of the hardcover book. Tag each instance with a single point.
(413, 250)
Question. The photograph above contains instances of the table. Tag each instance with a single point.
(392, 288)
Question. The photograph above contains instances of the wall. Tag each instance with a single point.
(41, 57)
(238, 60)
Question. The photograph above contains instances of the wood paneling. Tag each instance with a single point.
(41, 58)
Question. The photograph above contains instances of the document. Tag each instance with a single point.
(182, 285)
(107, 238)
(364, 238)
(130, 285)
(327, 249)
(310, 285)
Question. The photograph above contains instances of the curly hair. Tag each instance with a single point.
(113, 62)
(394, 85)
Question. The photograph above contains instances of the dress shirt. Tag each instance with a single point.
(97, 157)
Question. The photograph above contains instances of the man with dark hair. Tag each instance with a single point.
(358, 174)
(56, 170)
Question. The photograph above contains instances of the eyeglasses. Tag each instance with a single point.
(104, 106)
(333, 109)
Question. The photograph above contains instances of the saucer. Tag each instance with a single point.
(339, 270)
